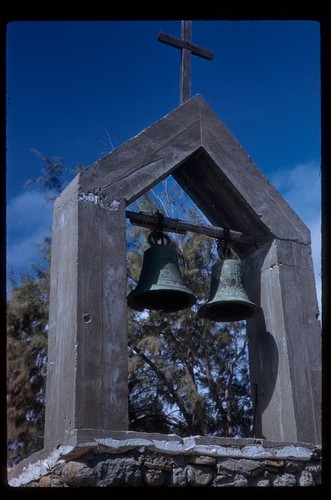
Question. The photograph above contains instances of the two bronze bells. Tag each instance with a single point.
(161, 287)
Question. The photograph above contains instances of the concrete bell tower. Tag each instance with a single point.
(87, 394)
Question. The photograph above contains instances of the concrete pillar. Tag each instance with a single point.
(87, 353)
(285, 342)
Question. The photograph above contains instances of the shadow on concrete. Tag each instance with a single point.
(263, 370)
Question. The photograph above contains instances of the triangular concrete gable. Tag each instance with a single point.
(87, 372)
(193, 145)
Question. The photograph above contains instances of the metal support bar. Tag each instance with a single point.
(152, 221)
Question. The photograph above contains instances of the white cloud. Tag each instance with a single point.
(28, 221)
(301, 188)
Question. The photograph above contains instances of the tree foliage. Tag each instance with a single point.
(27, 322)
(54, 176)
(186, 375)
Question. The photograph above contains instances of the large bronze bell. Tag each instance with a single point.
(160, 285)
(228, 300)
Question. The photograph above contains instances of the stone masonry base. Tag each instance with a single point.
(135, 459)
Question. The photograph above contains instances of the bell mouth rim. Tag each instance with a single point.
(138, 301)
(251, 308)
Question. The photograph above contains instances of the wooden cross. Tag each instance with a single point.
(187, 48)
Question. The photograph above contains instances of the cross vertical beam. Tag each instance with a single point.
(187, 49)
(185, 65)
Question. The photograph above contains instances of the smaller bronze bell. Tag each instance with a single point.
(160, 286)
(228, 300)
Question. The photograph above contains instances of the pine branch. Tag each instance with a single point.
(165, 380)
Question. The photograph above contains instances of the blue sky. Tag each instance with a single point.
(78, 89)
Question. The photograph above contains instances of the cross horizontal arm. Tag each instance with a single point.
(183, 44)
(152, 221)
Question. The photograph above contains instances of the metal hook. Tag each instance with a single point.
(160, 226)
(223, 248)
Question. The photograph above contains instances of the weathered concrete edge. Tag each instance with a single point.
(42, 462)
